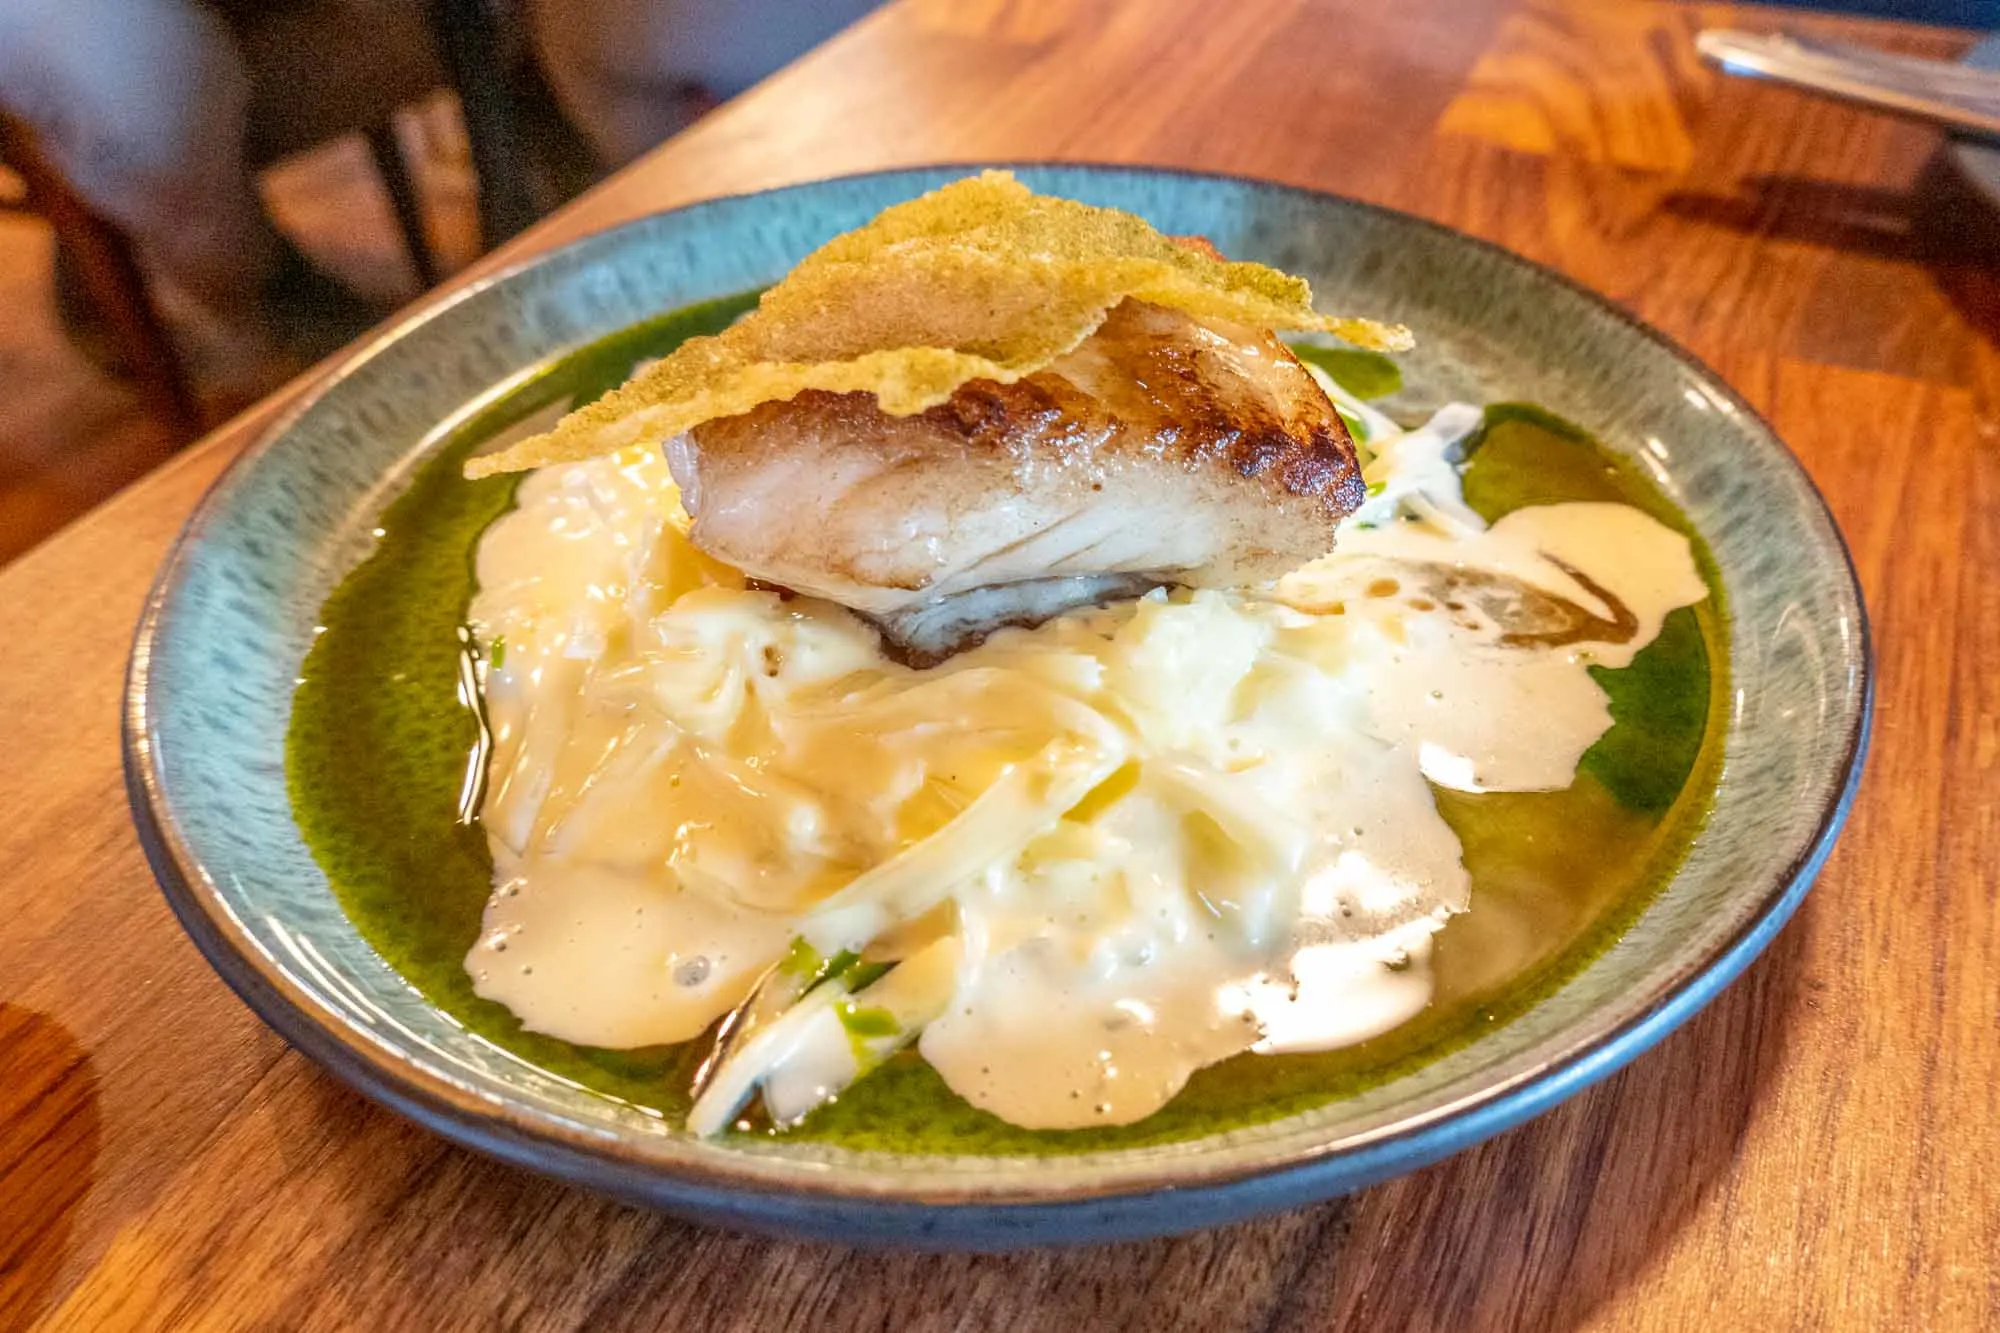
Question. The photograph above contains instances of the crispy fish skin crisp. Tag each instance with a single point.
(980, 280)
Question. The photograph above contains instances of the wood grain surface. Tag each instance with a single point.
(1819, 1149)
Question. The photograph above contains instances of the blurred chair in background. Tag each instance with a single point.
(151, 118)
(158, 113)
(633, 72)
(103, 271)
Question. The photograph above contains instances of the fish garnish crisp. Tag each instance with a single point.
(980, 280)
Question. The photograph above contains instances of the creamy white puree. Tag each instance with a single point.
(1107, 851)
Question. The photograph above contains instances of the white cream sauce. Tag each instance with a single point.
(1107, 851)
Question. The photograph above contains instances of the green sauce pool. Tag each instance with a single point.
(381, 742)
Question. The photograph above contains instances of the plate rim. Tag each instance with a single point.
(783, 1196)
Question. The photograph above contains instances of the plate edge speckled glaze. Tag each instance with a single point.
(1176, 1198)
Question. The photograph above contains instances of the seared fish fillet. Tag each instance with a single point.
(1163, 449)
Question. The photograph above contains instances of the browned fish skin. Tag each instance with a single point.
(1147, 379)
(1163, 447)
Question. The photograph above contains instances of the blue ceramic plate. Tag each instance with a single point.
(234, 610)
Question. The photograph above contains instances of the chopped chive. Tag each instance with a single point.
(869, 1021)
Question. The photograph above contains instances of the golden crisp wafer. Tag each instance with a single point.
(982, 279)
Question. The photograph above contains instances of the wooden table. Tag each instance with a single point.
(1821, 1148)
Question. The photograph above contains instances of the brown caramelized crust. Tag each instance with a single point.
(1149, 395)
(1163, 446)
